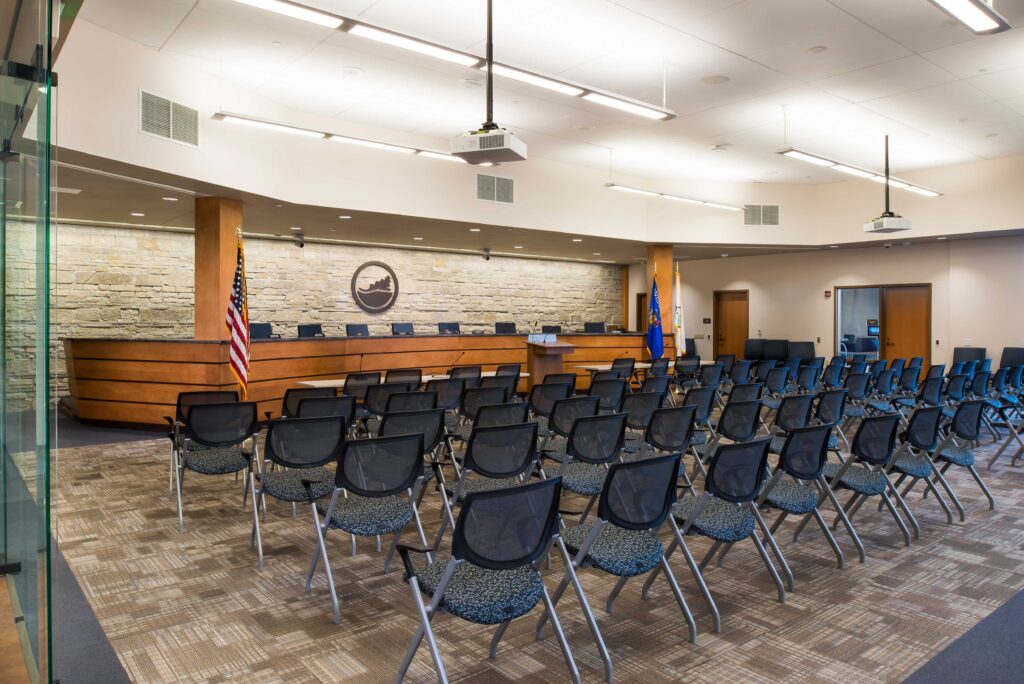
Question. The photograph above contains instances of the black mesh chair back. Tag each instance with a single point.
(985, 365)
(739, 420)
(923, 427)
(875, 438)
(736, 471)
(838, 360)
(726, 361)
(356, 383)
(610, 391)
(305, 442)
(794, 412)
(857, 386)
(956, 387)
(916, 362)
(595, 327)
(1014, 377)
(885, 383)
(507, 528)
(489, 415)
(597, 439)
(656, 383)
(357, 329)
(793, 365)
(475, 397)
(830, 406)
(410, 401)
(898, 365)
(818, 361)
(671, 428)
(687, 366)
(930, 393)
(292, 397)
(448, 391)
(625, 366)
(470, 375)
(979, 383)
(509, 369)
(544, 396)
(566, 378)
(506, 382)
(380, 466)
(702, 399)
(807, 378)
(565, 412)
(830, 377)
(186, 400)
(260, 331)
(966, 422)
(957, 368)
(502, 451)
(377, 396)
(711, 376)
(221, 424)
(859, 358)
(805, 450)
(639, 495)
(639, 407)
(426, 422)
(449, 328)
(605, 375)
(410, 375)
(857, 367)
(505, 328)
(551, 329)
(740, 372)
(320, 407)
(776, 379)
(910, 378)
(311, 330)
(762, 369)
(970, 367)
(750, 391)
(936, 371)
(659, 368)
(999, 380)
(876, 368)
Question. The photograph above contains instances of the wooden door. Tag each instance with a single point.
(642, 315)
(906, 322)
(731, 322)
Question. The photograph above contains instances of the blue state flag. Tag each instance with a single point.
(655, 340)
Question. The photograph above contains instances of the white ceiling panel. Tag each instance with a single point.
(677, 13)
(884, 80)
(927, 101)
(149, 22)
(985, 54)
(1001, 85)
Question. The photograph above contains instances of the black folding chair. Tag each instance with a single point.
(185, 401)
(412, 376)
(410, 401)
(611, 392)
(470, 375)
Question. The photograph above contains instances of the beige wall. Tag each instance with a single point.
(977, 286)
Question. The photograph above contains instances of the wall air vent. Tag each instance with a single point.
(760, 214)
(495, 189)
(166, 119)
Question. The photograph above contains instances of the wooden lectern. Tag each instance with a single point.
(544, 358)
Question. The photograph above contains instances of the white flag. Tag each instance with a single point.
(677, 316)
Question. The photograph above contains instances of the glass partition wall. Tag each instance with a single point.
(857, 320)
(26, 179)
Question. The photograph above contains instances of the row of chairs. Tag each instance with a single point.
(265, 331)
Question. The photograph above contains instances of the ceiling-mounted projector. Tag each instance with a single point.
(491, 144)
(889, 221)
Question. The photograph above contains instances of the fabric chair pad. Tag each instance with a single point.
(791, 496)
(464, 431)
(699, 437)
(584, 478)
(833, 441)
(854, 411)
(957, 455)
(772, 403)
(914, 465)
(720, 520)
(880, 405)
(905, 401)
(631, 446)
(215, 460)
(452, 422)
(778, 441)
(948, 411)
(858, 478)
(481, 484)
(484, 596)
(618, 551)
(286, 485)
(367, 516)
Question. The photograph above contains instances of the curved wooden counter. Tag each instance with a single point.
(138, 380)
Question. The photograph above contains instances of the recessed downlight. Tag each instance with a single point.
(474, 230)
(517, 247)
(344, 217)
(940, 238)
(577, 239)
(724, 255)
(597, 254)
(417, 238)
(717, 79)
(295, 228)
(137, 213)
(169, 199)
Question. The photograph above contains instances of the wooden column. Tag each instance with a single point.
(660, 256)
(216, 220)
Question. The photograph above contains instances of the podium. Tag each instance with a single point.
(544, 358)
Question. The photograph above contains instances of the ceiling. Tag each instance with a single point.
(900, 67)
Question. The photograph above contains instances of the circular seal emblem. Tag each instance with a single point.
(374, 287)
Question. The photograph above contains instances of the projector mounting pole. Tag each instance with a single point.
(489, 125)
(888, 211)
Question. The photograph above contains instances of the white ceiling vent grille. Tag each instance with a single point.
(495, 189)
(160, 117)
(760, 214)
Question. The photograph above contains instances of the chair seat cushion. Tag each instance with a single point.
(957, 455)
(484, 596)
(858, 478)
(367, 516)
(481, 484)
(880, 405)
(833, 441)
(791, 496)
(616, 550)
(215, 460)
(631, 446)
(286, 485)
(719, 520)
(905, 401)
(994, 403)
(914, 465)
(452, 422)
(699, 437)
(463, 431)
(778, 441)
(853, 411)
(584, 478)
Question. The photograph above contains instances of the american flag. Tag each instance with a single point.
(238, 324)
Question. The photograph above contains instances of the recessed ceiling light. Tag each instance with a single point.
(577, 239)
(721, 147)
(991, 135)
(818, 49)
(471, 83)
(940, 238)
(295, 228)
(417, 238)
(275, 43)
(296, 12)
(833, 246)
(724, 255)
(169, 199)
(278, 205)
(474, 230)
(342, 217)
(486, 164)
(597, 254)
(137, 213)
(963, 120)
(717, 79)
(518, 247)
(351, 72)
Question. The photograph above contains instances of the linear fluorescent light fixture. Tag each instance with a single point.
(533, 79)
(372, 143)
(441, 155)
(256, 123)
(414, 45)
(977, 15)
(818, 160)
(663, 195)
(629, 107)
(294, 11)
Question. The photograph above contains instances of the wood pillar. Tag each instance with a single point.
(625, 297)
(660, 257)
(216, 220)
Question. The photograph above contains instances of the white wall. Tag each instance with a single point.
(637, 284)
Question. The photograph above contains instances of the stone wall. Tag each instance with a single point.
(119, 282)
